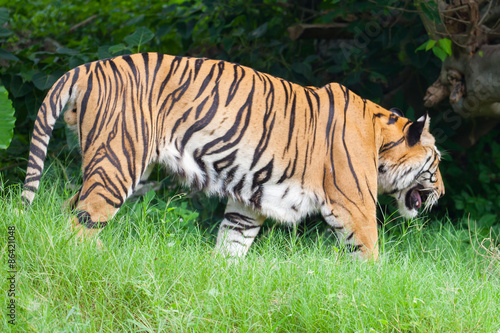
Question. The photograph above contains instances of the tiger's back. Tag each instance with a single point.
(274, 148)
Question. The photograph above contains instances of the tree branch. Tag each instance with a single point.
(81, 24)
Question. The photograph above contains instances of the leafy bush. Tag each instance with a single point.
(6, 119)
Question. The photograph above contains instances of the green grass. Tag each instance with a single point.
(156, 274)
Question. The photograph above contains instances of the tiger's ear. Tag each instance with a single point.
(415, 130)
(397, 112)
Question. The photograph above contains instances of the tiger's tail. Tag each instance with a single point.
(62, 93)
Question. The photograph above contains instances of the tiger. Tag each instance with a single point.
(272, 148)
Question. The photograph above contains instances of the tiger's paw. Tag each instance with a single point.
(84, 234)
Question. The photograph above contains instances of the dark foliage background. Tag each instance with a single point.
(374, 54)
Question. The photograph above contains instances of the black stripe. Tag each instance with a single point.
(392, 119)
(38, 152)
(87, 67)
(202, 123)
(182, 119)
(225, 162)
(233, 88)
(263, 142)
(41, 130)
(32, 164)
(331, 113)
(238, 218)
(176, 95)
(173, 68)
(391, 144)
(184, 71)
(131, 64)
(285, 193)
(309, 102)
(237, 241)
(29, 188)
(305, 164)
(230, 176)
(267, 130)
(234, 129)
(159, 63)
(346, 95)
(129, 151)
(197, 67)
(208, 78)
(34, 178)
(237, 189)
(109, 187)
(292, 122)
(286, 174)
(256, 198)
(334, 175)
(55, 96)
(200, 107)
(286, 95)
(85, 220)
(201, 164)
(263, 175)
(351, 248)
(83, 110)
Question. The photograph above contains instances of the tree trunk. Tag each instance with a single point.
(470, 78)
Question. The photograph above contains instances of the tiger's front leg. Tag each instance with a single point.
(355, 229)
(238, 229)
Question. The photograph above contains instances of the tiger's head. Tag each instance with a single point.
(408, 164)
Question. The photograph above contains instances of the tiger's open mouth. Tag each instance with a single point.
(415, 197)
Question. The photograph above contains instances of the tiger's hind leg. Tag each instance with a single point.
(103, 192)
(70, 204)
(238, 229)
(96, 205)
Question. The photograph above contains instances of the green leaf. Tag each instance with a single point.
(440, 53)
(7, 119)
(5, 55)
(44, 81)
(418, 59)
(116, 48)
(4, 32)
(427, 45)
(430, 44)
(18, 88)
(487, 220)
(67, 51)
(301, 68)
(259, 32)
(139, 37)
(445, 44)
(76, 61)
(377, 77)
(135, 20)
(185, 29)
(4, 15)
(228, 43)
(103, 52)
(335, 69)
(480, 53)
(431, 10)
(421, 47)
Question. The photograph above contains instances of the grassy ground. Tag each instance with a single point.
(155, 274)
